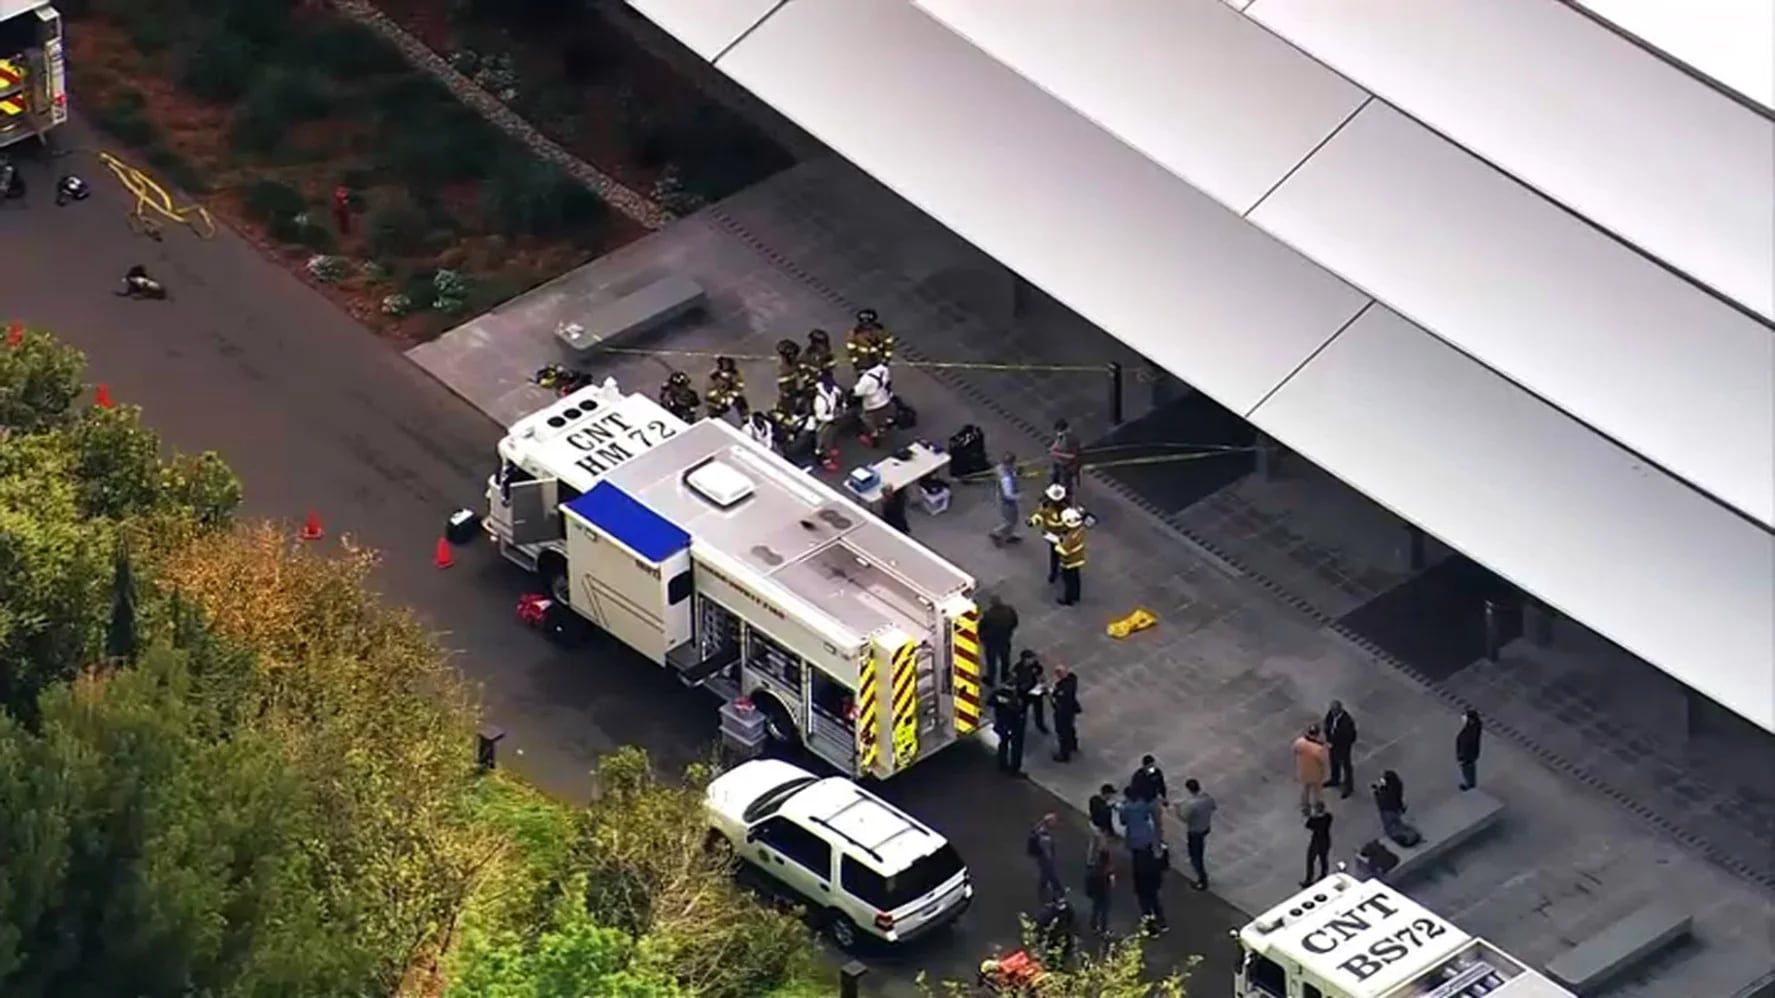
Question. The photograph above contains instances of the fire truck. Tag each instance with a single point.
(33, 80)
(1344, 937)
(712, 556)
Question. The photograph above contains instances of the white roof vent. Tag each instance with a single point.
(719, 483)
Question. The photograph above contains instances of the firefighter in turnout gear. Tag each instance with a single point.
(727, 391)
(1071, 552)
(678, 397)
(870, 343)
(1047, 519)
(792, 385)
(817, 357)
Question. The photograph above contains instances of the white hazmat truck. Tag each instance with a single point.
(1349, 938)
(712, 556)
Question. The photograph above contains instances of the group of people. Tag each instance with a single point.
(1058, 516)
(1021, 697)
(1322, 762)
(810, 405)
(1139, 809)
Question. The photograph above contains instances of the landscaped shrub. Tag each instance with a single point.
(395, 228)
(348, 52)
(220, 68)
(527, 197)
(446, 145)
(126, 117)
(587, 59)
(263, 22)
(408, 97)
(268, 199)
(292, 95)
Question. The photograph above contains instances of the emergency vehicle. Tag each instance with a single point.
(1349, 938)
(712, 556)
(33, 78)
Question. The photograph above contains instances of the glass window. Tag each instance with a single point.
(798, 844)
(1268, 975)
(1308, 991)
(830, 696)
(767, 803)
(888, 893)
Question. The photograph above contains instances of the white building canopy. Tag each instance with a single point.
(1586, 406)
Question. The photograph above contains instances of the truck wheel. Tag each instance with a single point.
(842, 930)
(777, 723)
(553, 572)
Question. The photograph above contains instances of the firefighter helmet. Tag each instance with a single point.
(678, 379)
(788, 349)
(819, 338)
(1056, 492)
(724, 364)
(1072, 517)
(867, 317)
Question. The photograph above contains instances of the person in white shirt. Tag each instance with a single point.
(876, 390)
(759, 429)
(828, 406)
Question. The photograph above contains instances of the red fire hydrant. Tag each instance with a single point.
(342, 209)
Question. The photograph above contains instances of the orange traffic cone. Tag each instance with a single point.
(102, 397)
(311, 530)
(15, 334)
(442, 558)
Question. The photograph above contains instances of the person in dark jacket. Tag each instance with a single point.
(1100, 881)
(893, 509)
(1102, 807)
(1318, 844)
(1467, 750)
(1026, 677)
(1008, 720)
(1066, 713)
(1389, 800)
(997, 626)
(1340, 737)
(1047, 866)
(1149, 780)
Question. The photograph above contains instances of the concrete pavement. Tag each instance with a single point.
(1234, 670)
(315, 414)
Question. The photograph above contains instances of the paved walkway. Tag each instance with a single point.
(1234, 670)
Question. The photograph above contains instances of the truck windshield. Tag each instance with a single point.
(925, 875)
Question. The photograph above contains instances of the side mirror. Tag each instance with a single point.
(752, 834)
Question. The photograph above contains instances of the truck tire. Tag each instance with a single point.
(843, 932)
(552, 570)
(777, 722)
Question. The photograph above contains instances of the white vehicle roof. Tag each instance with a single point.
(1322, 927)
(13, 8)
(789, 531)
(874, 832)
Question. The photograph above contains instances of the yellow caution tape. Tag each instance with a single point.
(150, 195)
(1139, 620)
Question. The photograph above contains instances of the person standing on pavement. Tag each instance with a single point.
(1008, 719)
(876, 390)
(1467, 749)
(1008, 495)
(1046, 519)
(1144, 824)
(1047, 869)
(828, 408)
(893, 509)
(1071, 552)
(1318, 844)
(1389, 800)
(1310, 768)
(1197, 812)
(1100, 882)
(1064, 454)
(997, 626)
(1066, 713)
(1026, 677)
(1340, 734)
(1149, 780)
(1102, 807)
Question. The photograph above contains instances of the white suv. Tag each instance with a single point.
(864, 865)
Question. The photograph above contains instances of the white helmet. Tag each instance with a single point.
(1072, 517)
(1056, 492)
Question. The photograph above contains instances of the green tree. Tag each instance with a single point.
(1117, 970)
(120, 634)
(571, 957)
(39, 381)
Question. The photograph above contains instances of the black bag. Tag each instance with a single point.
(905, 417)
(1033, 846)
(1378, 858)
(967, 451)
(1408, 836)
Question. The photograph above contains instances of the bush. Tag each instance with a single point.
(527, 197)
(174, 168)
(329, 269)
(126, 118)
(291, 95)
(348, 52)
(587, 59)
(263, 22)
(220, 68)
(421, 286)
(395, 228)
(316, 237)
(443, 145)
(267, 200)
